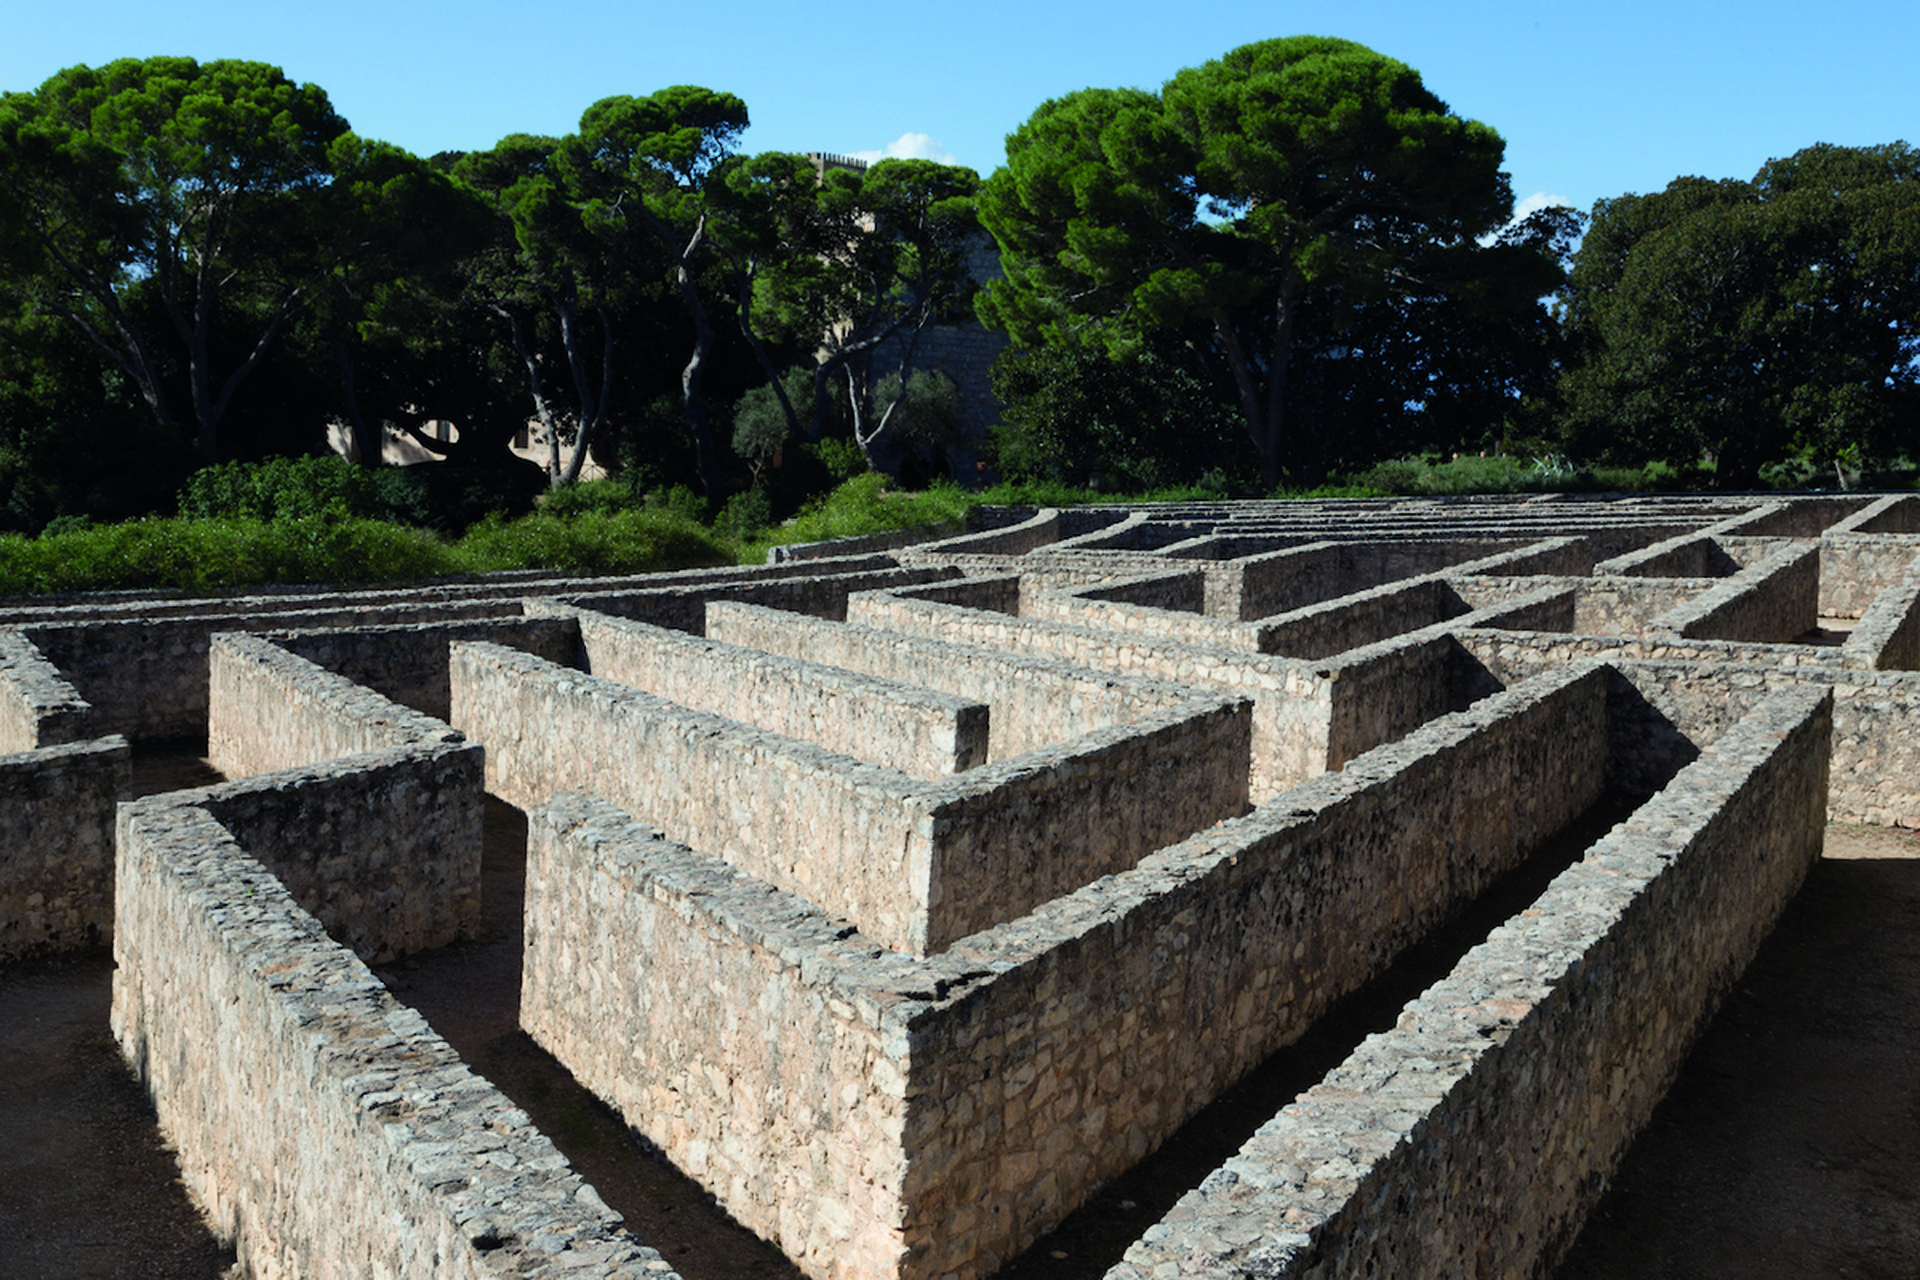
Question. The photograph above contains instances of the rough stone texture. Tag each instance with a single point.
(324, 1128)
(902, 726)
(1004, 1080)
(407, 662)
(982, 1088)
(56, 846)
(915, 863)
(1473, 1138)
(38, 708)
(1035, 703)
(1773, 600)
(270, 710)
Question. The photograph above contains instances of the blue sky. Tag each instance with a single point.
(1594, 99)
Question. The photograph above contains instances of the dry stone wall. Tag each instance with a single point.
(902, 1024)
(56, 846)
(322, 1126)
(918, 731)
(1566, 1025)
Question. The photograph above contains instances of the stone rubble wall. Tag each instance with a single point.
(913, 729)
(889, 541)
(1035, 703)
(407, 662)
(38, 707)
(1802, 517)
(1772, 601)
(1856, 569)
(913, 863)
(683, 608)
(270, 710)
(1360, 619)
(1887, 637)
(383, 847)
(732, 1024)
(1013, 1074)
(322, 1126)
(1625, 606)
(1691, 555)
(1893, 513)
(1875, 755)
(56, 845)
(1261, 586)
(1474, 1137)
(150, 681)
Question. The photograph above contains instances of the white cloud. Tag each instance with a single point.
(1538, 200)
(910, 146)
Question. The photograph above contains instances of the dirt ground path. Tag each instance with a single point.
(1790, 1145)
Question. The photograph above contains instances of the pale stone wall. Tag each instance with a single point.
(916, 730)
(1691, 555)
(323, 1127)
(1035, 703)
(1567, 1025)
(382, 847)
(913, 863)
(1773, 600)
(38, 708)
(270, 710)
(683, 607)
(1855, 568)
(732, 1024)
(407, 662)
(56, 846)
(1359, 619)
(1876, 715)
(1003, 1080)
(1887, 637)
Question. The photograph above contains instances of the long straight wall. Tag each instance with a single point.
(1474, 1137)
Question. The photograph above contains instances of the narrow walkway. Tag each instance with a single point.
(88, 1188)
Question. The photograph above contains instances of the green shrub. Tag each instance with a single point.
(594, 542)
(204, 555)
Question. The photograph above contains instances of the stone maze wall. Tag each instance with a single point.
(904, 897)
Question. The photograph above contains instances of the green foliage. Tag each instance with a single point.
(864, 505)
(440, 496)
(680, 501)
(1130, 422)
(592, 542)
(923, 416)
(1287, 209)
(210, 555)
(842, 459)
(279, 489)
(606, 496)
(1747, 323)
(745, 516)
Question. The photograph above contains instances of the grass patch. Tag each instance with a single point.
(861, 506)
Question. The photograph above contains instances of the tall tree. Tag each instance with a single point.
(651, 162)
(165, 209)
(888, 255)
(1273, 192)
(1751, 321)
